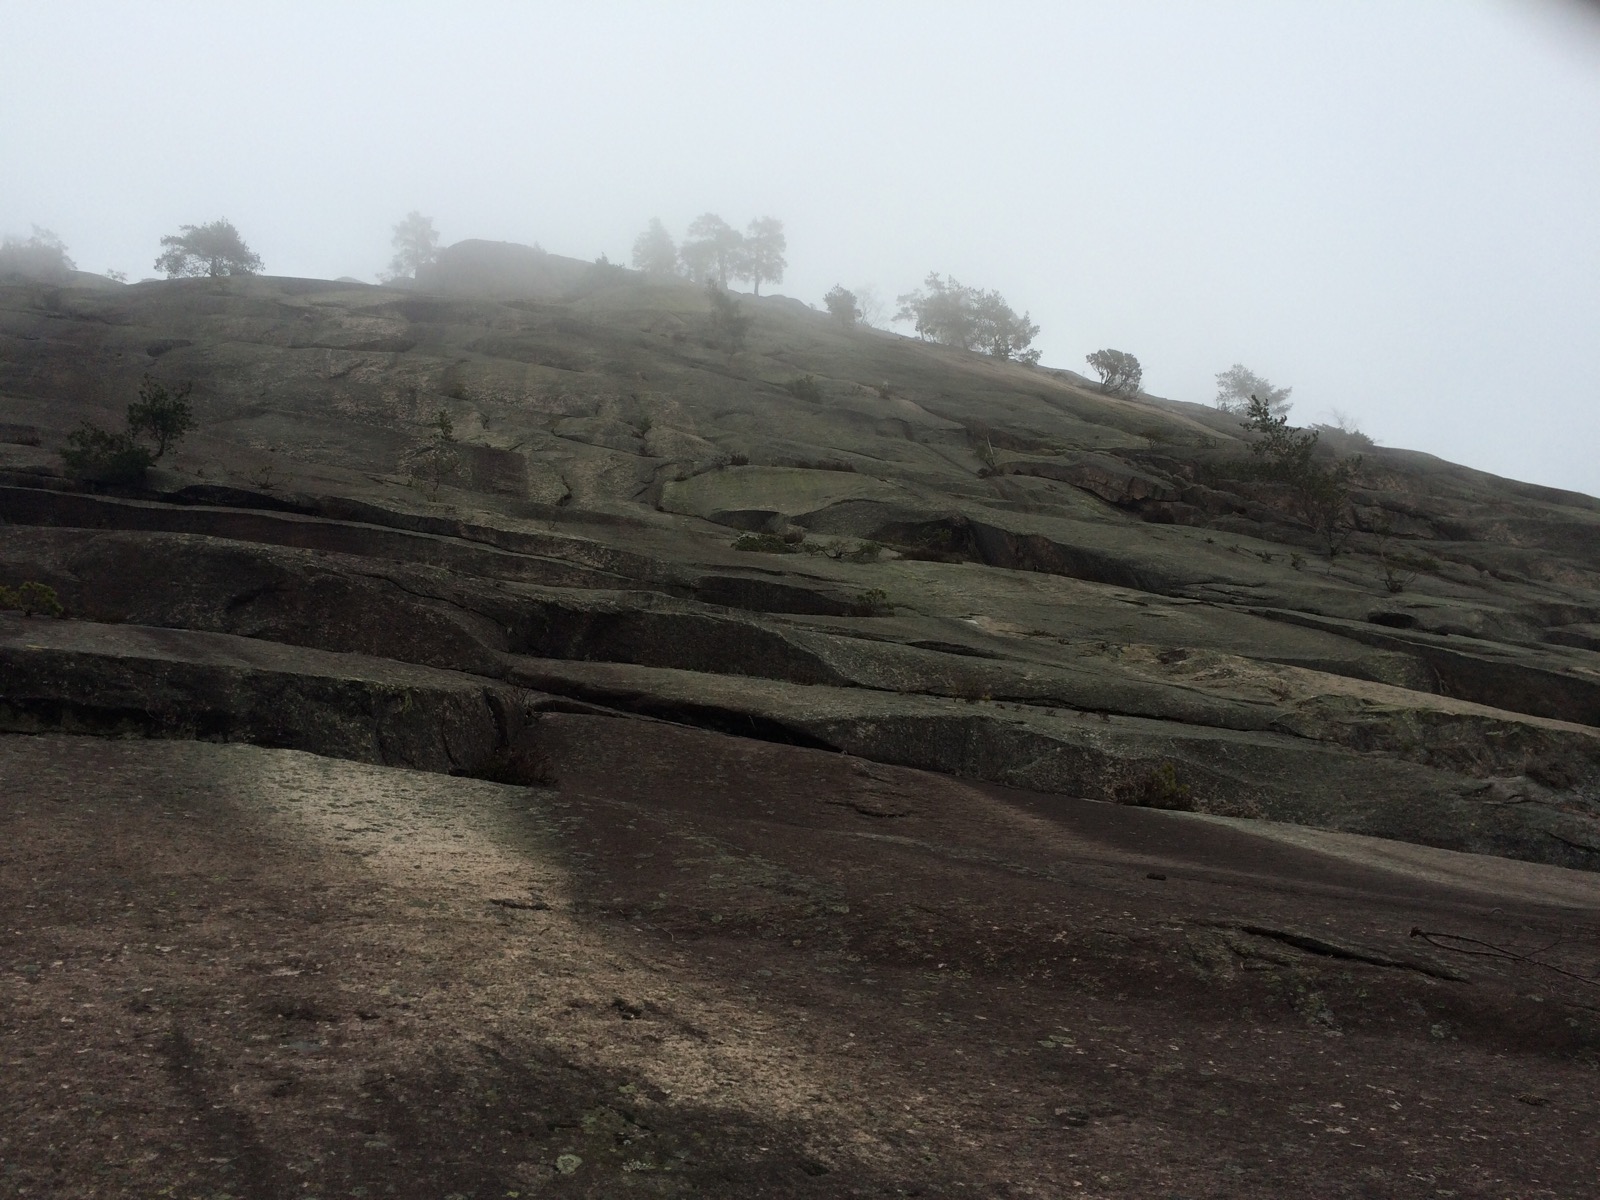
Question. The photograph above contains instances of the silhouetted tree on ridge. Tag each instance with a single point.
(214, 249)
(416, 245)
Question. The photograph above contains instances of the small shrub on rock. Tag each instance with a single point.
(804, 387)
(728, 324)
(1159, 787)
(873, 602)
(32, 598)
(102, 456)
(763, 543)
(97, 455)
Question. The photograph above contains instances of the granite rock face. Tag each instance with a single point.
(943, 562)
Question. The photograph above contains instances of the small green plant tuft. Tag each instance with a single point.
(1159, 787)
(1400, 567)
(763, 543)
(32, 598)
(804, 387)
(873, 602)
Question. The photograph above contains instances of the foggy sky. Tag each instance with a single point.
(1392, 207)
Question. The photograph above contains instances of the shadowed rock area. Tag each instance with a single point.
(591, 788)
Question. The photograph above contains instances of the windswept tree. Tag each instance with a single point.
(1004, 334)
(42, 257)
(214, 249)
(1238, 385)
(1120, 373)
(416, 245)
(654, 252)
(842, 305)
(760, 254)
(1319, 489)
(711, 250)
(952, 314)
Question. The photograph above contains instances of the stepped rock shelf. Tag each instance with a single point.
(687, 716)
(1070, 599)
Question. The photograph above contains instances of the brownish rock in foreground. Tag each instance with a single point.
(692, 964)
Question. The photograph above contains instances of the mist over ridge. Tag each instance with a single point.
(1387, 207)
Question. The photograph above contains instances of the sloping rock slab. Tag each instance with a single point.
(73, 676)
(1113, 480)
(1228, 772)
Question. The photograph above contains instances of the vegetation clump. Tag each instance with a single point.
(1120, 372)
(804, 387)
(842, 306)
(715, 251)
(213, 250)
(1161, 788)
(873, 602)
(98, 455)
(436, 458)
(1320, 491)
(654, 251)
(42, 257)
(952, 314)
(1400, 568)
(763, 543)
(1238, 386)
(102, 456)
(32, 597)
(728, 324)
(162, 416)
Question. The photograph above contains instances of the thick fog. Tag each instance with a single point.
(1394, 208)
